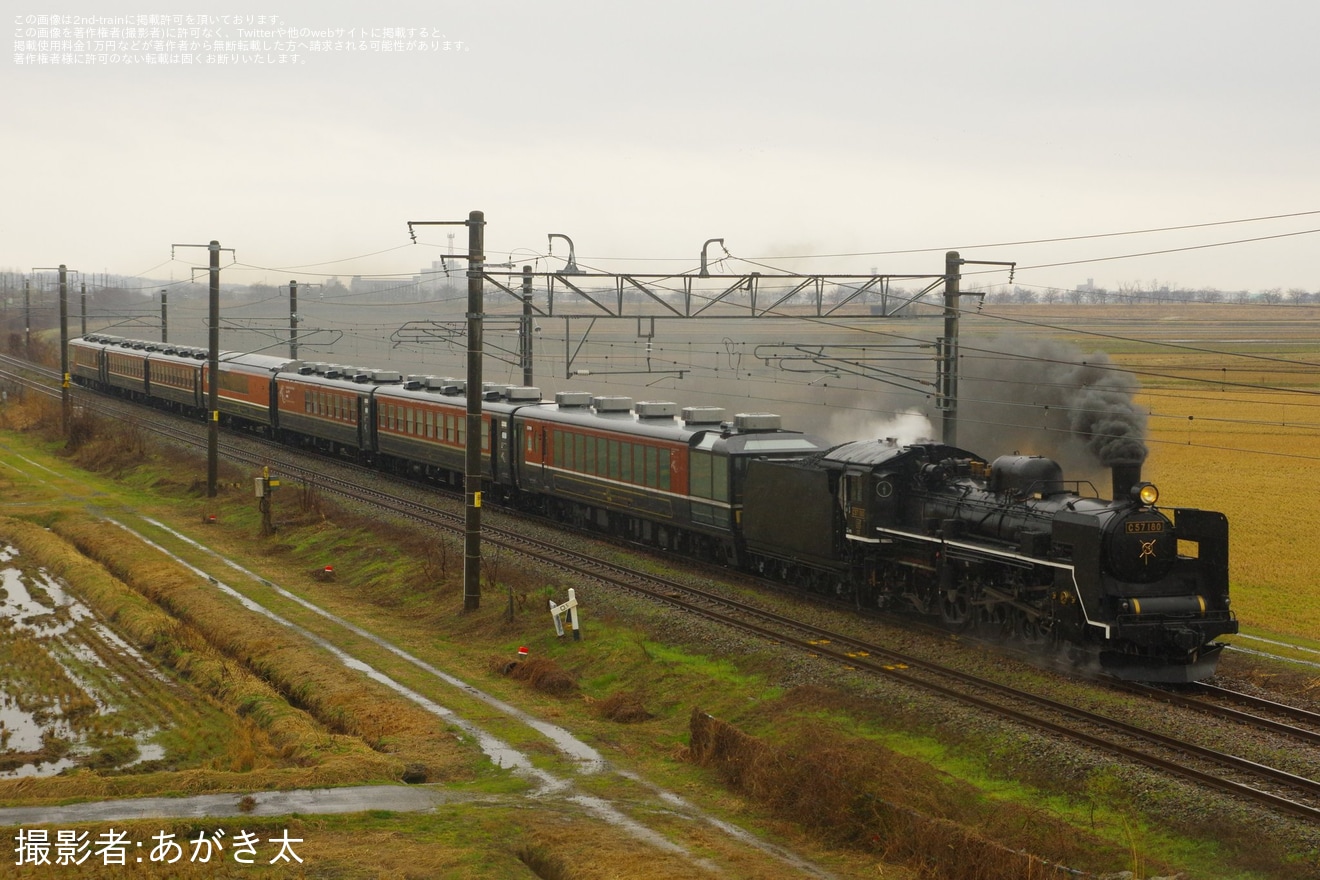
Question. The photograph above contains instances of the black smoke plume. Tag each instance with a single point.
(1048, 398)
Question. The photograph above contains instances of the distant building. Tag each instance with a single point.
(385, 289)
(442, 278)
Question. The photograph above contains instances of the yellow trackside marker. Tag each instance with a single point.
(476, 499)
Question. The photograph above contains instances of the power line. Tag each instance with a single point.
(1158, 442)
(1001, 244)
(1117, 338)
(1195, 247)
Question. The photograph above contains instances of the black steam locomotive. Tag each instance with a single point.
(1005, 548)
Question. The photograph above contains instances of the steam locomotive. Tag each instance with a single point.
(1006, 548)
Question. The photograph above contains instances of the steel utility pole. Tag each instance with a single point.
(476, 257)
(164, 319)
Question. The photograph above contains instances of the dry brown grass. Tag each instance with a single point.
(863, 795)
(299, 720)
(339, 698)
(103, 445)
(622, 708)
(541, 674)
(23, 413)
(544, 863)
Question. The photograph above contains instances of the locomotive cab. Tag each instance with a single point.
(868, 499)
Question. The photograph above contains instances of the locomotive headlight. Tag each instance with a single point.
(1147, 493)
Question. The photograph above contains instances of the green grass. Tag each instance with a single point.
(617, 655)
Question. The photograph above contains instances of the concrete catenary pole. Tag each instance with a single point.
(164, 318)
(948, 379)
(525, 327)
(293, 320)
(476, 224)
(66, 403)
(213, 384)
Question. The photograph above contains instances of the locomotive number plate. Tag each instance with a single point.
(1134, 528)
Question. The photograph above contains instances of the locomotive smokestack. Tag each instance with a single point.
(1125, 474)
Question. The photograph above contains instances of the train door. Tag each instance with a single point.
(515, 453)
(272, 405)
(499, 448)
(365, 423)
(852, 501)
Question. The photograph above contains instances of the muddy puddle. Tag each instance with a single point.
(62, 705)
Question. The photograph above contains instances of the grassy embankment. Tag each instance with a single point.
(832, 773)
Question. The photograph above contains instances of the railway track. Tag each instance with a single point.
(1300, 724)
(1274, 788)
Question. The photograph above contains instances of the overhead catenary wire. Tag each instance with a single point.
(1009, 405)
(871, 253)
(1217, 382)
(1001, 244)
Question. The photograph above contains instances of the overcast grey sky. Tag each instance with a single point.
(790, 129)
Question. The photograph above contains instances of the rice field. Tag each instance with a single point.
(1256, 457)
(1232, 398)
